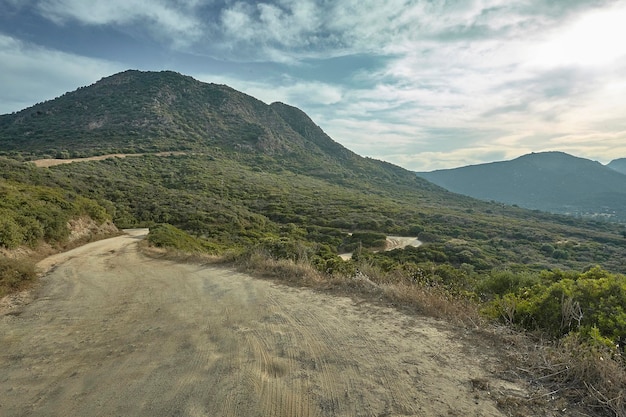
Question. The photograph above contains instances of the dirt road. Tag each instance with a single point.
(113, 333)
(393, 242)
(50, 162)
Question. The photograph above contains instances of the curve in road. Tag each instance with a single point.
(112, 332)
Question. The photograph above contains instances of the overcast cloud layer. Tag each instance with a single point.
(422, 84)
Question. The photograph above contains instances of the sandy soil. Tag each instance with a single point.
(45, 163)
(113, 333)
(393, 242)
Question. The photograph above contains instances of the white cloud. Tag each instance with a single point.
(464, 81)
(594, 39)
(164, 19)
(30, 74)
(280, 32)
(288, 91)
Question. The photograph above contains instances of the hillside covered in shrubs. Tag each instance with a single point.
(262, 187)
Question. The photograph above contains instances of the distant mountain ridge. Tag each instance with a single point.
(618, 165)
(549, 181)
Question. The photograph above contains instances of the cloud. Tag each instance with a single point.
(174, 22)
(594, 39)
(307, 93)
(420, 83)
(30, 74)
(284, 31)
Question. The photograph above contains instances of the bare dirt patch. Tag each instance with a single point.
(49, 162)
(112, 332)
(393, 242)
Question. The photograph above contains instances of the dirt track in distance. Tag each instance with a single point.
(50, 162)
(114, 333)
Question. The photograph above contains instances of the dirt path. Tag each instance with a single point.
(393, 242)
(396, 242)
(113, 333)
(45, 163)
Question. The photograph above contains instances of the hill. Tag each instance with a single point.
(247, 173)
(618, 165)
(263, 187)
(551, 181)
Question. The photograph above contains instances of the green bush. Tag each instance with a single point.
(501, 282)
(168, 236)
(592, 303)
(31, 229)
(10, 232)
(286, 248)
(15, 274)
(31, 213)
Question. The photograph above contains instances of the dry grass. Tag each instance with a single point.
(568, 375)
(592, 375)
(299, 273)
(15, 274)
(592, 378)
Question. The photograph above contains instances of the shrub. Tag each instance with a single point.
(168, 236)
(501, 282)
(15, 274)
(285, 248)
(593, 302)
(10, 232)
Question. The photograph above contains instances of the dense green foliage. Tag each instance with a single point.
(233, 202)
(168, 236)
(264, 181)
(592, 303)
(30, 214)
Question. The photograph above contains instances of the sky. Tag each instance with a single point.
(423, 84)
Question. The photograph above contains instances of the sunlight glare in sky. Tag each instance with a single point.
(596, 39)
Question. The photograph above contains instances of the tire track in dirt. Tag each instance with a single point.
(112, 332)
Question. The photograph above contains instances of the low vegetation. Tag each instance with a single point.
(516, 266)
(15, 274)
(576, 320)
(263, 187)
(31, 216)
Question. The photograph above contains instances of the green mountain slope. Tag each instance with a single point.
(551, 181)
(135, 112)
(253, 173)
(263, 185)
(144, 111)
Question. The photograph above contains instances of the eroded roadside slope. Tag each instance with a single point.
(112, 332)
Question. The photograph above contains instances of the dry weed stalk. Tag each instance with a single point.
(590, 376)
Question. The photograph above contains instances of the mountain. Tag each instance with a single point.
(137, 112)
(262, 186)
(148, 111)
(252, 176)
(549, 181)
(618, 165)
